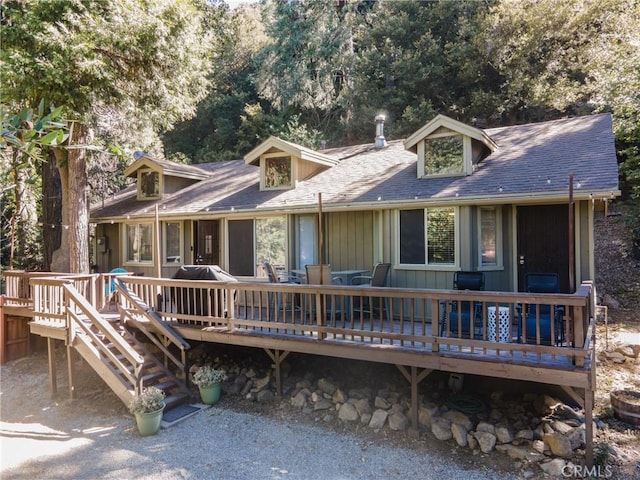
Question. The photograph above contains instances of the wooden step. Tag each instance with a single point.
(173, 401)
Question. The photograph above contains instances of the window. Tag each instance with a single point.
(428, 237)
(489, 241)
(444, 155)
(252, 241)
(149, 184)
(172, 243)
(277, 172)
(139, 243)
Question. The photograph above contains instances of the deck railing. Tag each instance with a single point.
(425, 319)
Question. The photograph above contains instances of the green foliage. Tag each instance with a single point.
(207, 376)
(150, 400)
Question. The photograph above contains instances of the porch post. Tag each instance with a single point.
(51, 353)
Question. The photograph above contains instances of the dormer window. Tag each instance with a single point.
(447, 147)
(444, 155)
(278, 172)
(148, 184)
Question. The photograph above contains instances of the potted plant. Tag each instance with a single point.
(147, 408)
(208, 381)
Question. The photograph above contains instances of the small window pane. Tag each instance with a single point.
(441, 236)
(139, 243)
(150, 184)
(271, 237)
(443, 156)
(277, 172)
(488, 235)
(172, 242)
(412, 237)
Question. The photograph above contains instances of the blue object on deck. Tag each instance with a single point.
(111, 285)
(463, 280)
(543, 283)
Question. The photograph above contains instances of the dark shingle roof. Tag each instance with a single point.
(531, 161)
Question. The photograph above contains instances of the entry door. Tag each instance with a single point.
(207, 251)
(543, 242)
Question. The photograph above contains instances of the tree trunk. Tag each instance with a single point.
(73, 254)
(51, 210)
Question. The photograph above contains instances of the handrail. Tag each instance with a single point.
(136, 304)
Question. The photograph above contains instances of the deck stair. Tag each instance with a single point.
(125, 363)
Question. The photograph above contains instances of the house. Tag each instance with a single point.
(450, 197)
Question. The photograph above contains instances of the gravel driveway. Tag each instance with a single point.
(94, 437)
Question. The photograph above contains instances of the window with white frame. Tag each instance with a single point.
(277, 172)
(444, 155)
(490, 237)
(428, 237)
(172, 242)
(148, 184)
(139, 243)
(253, 240)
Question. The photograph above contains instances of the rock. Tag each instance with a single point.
(554, 468)
(518, 453)
(348, 413)
(322, 404)
(486, 427)
(441, 428)
(426, 413)
(525, 434)
(265, 396)
(365, 418)
(299, 401)
(527, 474)
(460, 418)
(339, 396)
(471, 441)
(362, 406)
(261, 383)
(381, 403)
(504, 434)
(561, 427)
(378, 419)
(565, 411)
(544, 404)
(486, 441)
(559, 444)
(326, 386)
(576, 438)
(359, 393)
(460, 434)
(627, 351)
(538, 446)
(398, 422)
(615, 357)
(610, 302)
(250, 373)
(495, 415)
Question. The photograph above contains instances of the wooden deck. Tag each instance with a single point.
(409, 328)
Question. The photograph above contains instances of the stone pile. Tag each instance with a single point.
(530, 428)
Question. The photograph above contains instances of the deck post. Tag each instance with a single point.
(277, 356)
(71, 371)
(588, 425)
(51, 353)
(3, 332)
(414, 378)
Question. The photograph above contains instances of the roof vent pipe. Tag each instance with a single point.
(380, 142)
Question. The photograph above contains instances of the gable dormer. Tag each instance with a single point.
(447, 147)
(154, 178)
(283, 163)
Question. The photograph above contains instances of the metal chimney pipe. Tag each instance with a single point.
(380, 142)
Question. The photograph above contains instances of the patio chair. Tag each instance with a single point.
(465, 311)
(284, 300)
(542, 283)
(320, 275)
(378, 278)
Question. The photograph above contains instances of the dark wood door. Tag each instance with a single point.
(207, 251)
(543, 242)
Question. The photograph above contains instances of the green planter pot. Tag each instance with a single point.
(210, 394)
(149, 422)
